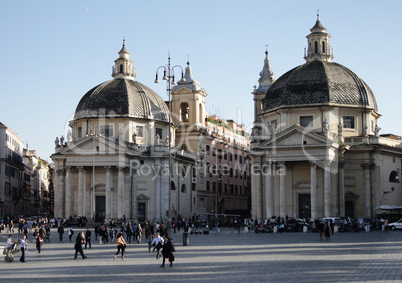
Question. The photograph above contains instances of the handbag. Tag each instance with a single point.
(171, 258)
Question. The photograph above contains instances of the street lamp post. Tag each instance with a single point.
(168, 76)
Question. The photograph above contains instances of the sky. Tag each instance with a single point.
(53, 52)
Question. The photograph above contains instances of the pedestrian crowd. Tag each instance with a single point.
(118, 232)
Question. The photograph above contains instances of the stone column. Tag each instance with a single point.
(134, 204)
(81, 191)
(120, 197)
(269, 192)
(282, 189)
(108, 196)
(341, 181)
(60, 201)
(327, 188)
(67, 213)
(256, 187)
(313, 190)
(367, 191)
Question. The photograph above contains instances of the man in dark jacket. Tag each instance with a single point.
(60, 230)
(167, 252)
(88, 235)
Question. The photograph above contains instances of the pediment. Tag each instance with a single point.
(296, 136)
(89, 145)
(143, 197)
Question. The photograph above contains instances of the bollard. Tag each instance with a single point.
(367, 228)
(305, 229)
(186, 239)
(245, 229)
(275, 229)
(336, 229)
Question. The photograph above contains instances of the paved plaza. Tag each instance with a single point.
(228, 256)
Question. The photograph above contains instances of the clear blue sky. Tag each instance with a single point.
(53, 52)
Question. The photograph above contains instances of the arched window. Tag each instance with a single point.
(394, 177)
(172, 186)
(183, 188)
(323, 47)
(316, 47)
(184, 109)
(121, 68)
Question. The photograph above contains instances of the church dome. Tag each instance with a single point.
(319, 83)
(122, 96)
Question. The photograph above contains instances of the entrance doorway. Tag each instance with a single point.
(350, 209)
(100, 208)
(304, 206)
(141, 212)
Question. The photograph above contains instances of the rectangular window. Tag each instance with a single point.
(159, 132)
(348, 122)
(139, 131)
(106, 130)
(208, 186)
(207, 149)
(79, 132)
(241, 159)
(306, 121)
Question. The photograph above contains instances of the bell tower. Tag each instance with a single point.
(188, 110)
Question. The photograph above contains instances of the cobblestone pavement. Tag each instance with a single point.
(286, 257)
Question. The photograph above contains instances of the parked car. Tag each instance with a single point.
(395, 225)
(76, 221)
(295, 225)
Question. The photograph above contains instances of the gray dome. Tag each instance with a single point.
(319, 83)
(122, 98)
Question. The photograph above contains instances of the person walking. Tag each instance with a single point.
(70, 232)
(96, 231)
(11, 227)
(88, 235)
(157, 242)
(320, 229)
(167, 252)
(60, 230)
(129, 232)
(9, 245)
(121, 245)
(79, 241)
(38, 239)
(148, 234)
(23, 245)
(139, 233)
(327, 230)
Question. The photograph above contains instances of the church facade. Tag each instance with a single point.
(316, 149)
(115, 160)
